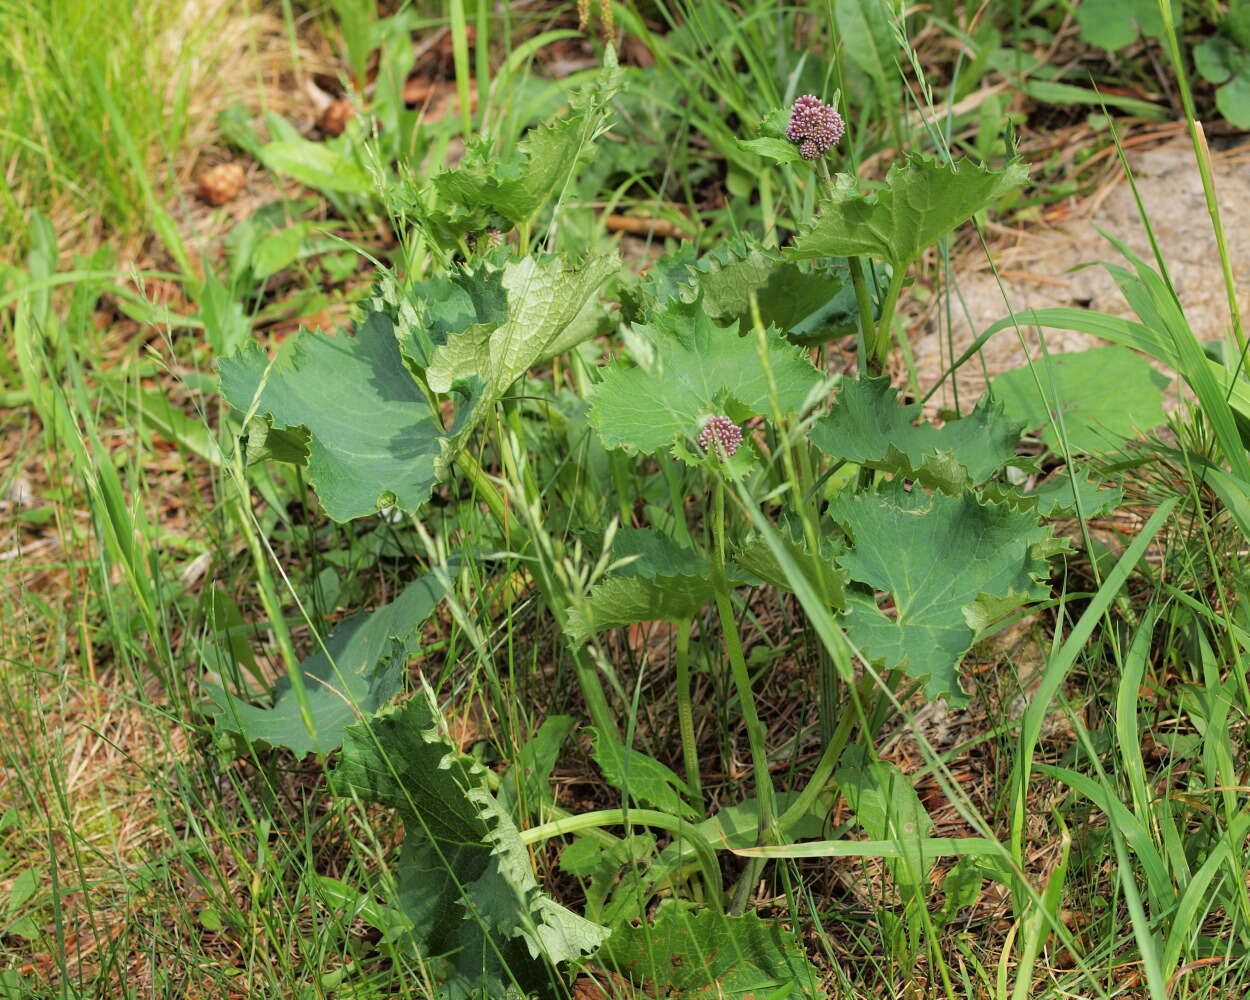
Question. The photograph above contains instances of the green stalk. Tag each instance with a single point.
(738, 666)
(866, 323)
(460, 58)
(680, 828)
(1203, 154)
(596, 698)
(685, 713)
(881, 345)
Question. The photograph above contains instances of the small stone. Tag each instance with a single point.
(335, 117)
(220, 184)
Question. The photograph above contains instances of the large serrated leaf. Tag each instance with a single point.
(921, 201)
(866, 425)
(465, 879)
(1103, 396)
(705, 955)
(691, 366)
(938, 558)
(518, 186)
(360, 669)
(372, 439)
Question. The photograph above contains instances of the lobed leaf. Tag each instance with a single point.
(939, 559)
(372, 441)
(921, 201)
(687, 369)
(868, 427)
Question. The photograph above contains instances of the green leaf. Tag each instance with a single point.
(777, 150)
(552, 305)
(705, 955)
(686, 369)
(921, 201)
(868, 427)
(1056, 497)
(361, 668)
(641, 777)
(526, 783)
(373, 442)
(937, 557)
(1233, 100)
(1217, 59)
(602, 864)
(465, 879)
(888, 808)
(868, 39)
(1104, 396)
(316, 165)
(755, 556)
(1113, 24)
(662, 582)
(518, 185)
(279, 249)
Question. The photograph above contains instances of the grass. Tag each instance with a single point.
(1103, 751)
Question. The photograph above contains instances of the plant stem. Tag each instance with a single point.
(680, 829)
(685, 713)
(738, 667)
(881, 344)
(867, 325)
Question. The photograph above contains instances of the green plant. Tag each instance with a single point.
(902, 565)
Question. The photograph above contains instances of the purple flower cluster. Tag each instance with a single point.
(814, 126)
(722, 434)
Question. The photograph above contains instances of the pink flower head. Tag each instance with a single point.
(721, 434)
(814, 126)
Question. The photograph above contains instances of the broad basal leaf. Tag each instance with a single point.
(921, 201)
(705, 955)
(372, 440)
(465, 879)
(940, 561)
(1103, 396)
(641, 777)
(686, 368)
(867, 426)
(360, 669)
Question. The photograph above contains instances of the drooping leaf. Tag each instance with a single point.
(663, 582)
(640, 776)
(705, 955)
(1103, 395)
(372, 440)
(315, 164)
(939, 559)
(867, 426)
(687, 367)
(526, 783)
(888, 808)
(921, 201)
(754, 555)
(360, 669)
(465, 879)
